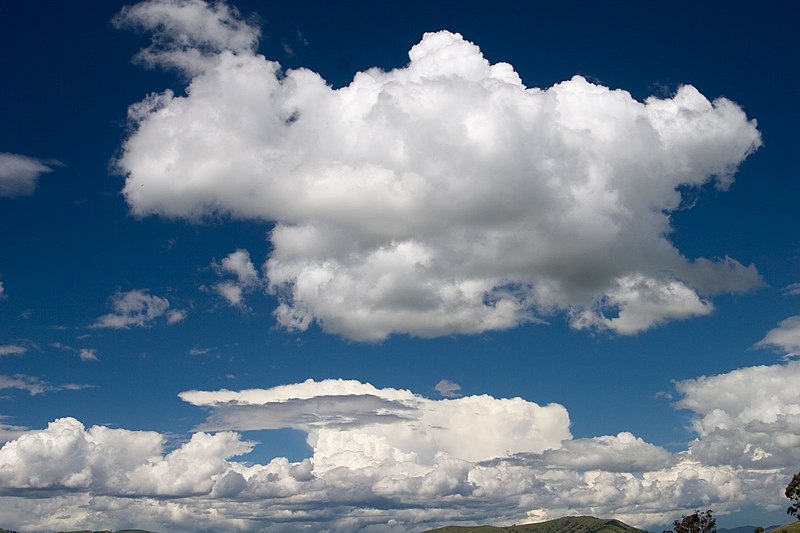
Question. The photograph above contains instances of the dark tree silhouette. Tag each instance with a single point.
(793, 493)
(697, 522)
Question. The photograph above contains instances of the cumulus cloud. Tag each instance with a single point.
(390, 460)
(66, 455)
(246, 280)
(621, 453)
(441, 197)
(348, 417)
(785, 337)
(2, 290)
(137, 308)
(19, 174)
(12, 349)
(748, 417)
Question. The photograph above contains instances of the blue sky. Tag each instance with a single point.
(550, 245)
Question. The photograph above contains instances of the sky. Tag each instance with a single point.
(384, 267)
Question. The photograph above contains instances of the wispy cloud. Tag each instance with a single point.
(85, 354)
(785, 337)
(19, 174)
(88, 354)
(448, 389)
(792, 289)
(34, 385)
(12, 349)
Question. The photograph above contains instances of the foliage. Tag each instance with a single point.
(793, 493)
(697, 522)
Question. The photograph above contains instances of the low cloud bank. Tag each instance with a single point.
(388, 459)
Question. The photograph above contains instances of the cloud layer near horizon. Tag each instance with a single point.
(438, 198)
(388, 459)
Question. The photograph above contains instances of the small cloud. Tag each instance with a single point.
(238, 264)
(62, 346)
(34, 385)
(786, 337)
(136, 308)
(199, 351)
(792, 289)
(85, 354)
(12, 349)
(448, 389)
(88, 354)
(2, 290)
(231, 292)
(176, 315)
(19, 174)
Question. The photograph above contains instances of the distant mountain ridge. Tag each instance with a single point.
(590, 524)
(568, 524)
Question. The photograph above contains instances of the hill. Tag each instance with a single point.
(569, 524)
(106, 531)
(794, 527)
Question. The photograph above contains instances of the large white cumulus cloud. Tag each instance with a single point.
(355, 419)
(442, 197)
(748, 417)
(390, 460)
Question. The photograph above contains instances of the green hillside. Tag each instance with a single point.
(569, 524)
(794, 527)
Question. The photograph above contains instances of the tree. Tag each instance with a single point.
(793, 493)
(697, 522)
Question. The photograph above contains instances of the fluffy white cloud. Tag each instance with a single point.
(137, 308)
(748, 417)
(115, 461)
(238, 264)
(390, 460)
(342, 416)
(442, 197)
(785, 337)
(19, 175)
(12, 349)
(621, 453)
